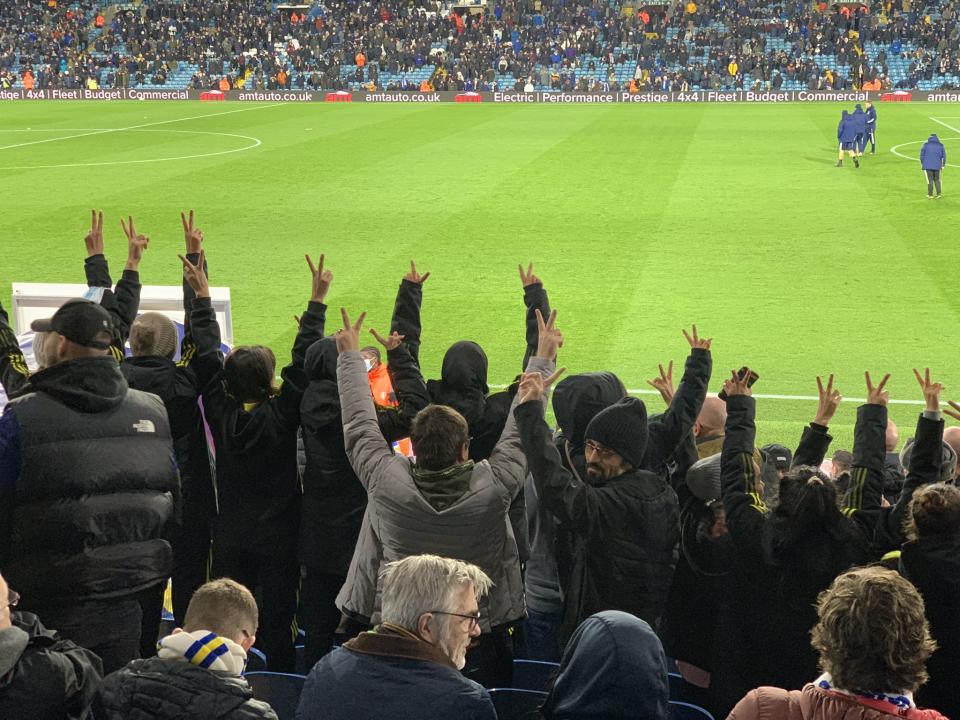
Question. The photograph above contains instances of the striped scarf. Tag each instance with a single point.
(900, 700)
(204, 649)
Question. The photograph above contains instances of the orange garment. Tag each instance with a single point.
(282, 78)
(644, 17)
(384, 396)
(28, 80)
(100, 21)
(294, 18)
(224, 84)
(633, 87)
(425, 86)
(361, 59)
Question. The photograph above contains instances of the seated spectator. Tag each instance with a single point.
(873, 641)
(42, 676)
(613, 667)
(409, 666)
(197, 673)
(931, 561)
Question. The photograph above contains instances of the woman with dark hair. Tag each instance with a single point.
(873, 642)
(613, 667)
(783, 559)
(254, 428)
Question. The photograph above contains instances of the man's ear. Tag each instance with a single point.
(423, 627)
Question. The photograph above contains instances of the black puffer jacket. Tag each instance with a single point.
(156, 689)
(624, 531)
(43, 677)
(95, 488)
(333, 498)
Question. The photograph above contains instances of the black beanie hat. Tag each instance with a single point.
(622, 428)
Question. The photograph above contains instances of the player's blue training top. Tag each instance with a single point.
(859, 120)
(871, 118)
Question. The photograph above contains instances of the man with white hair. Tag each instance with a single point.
(409, 665)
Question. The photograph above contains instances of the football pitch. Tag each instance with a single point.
(640, 220)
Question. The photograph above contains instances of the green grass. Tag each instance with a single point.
(641, 220)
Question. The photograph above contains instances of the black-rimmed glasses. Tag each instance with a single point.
(474, 619)
(13, 597)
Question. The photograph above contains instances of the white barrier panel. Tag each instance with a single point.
(32, 301)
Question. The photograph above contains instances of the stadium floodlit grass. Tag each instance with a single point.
(641, 220)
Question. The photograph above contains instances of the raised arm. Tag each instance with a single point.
(816, 439)
(406, 310)
(534, 298)
(869, 451)
(742, 501)
(13, 366)
(366, 448)
(203, 350)
(683, 406)
(408, 383)
(95, 266)
(924, 465)
(193, 244)
(129, 287)
(507, 461)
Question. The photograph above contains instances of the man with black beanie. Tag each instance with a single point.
(623, 522)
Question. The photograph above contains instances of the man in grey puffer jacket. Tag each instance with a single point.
(443, 504)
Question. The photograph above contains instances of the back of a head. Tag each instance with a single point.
(891, 436)
(934, 511)
(153, 334)
(224, 607)
(425, 583)
(465, 367)
(947, 462)
(249, 373)
(712, 417)
(872, 633)
(438, 434)
(613, 667)
(577, 400)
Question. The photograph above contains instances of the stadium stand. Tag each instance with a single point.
(504, 44)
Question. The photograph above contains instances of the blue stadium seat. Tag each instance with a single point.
(256, 660)
(533, 674)
(512, 704)
(685, 711)
(281, 691)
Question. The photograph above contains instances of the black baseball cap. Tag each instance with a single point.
(80, 321)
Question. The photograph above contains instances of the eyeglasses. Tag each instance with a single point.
(13, 597)
(474, 619)
(599, 449)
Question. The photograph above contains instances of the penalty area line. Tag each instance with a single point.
(137, 127)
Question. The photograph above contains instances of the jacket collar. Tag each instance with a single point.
(388, 640)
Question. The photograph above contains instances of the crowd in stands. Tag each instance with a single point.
(619, 538)
(586, 45)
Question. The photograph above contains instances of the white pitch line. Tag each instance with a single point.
(760, 396)
(948, 127)
(136, 127)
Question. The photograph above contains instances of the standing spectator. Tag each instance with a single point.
(444, 502)
(254, 428)
(623, 521)
(614, 667)
(80, 539)
(933, 159)
(409, 666)
(42, 677)
(333, 498)
(783, 559)
(153, 340)
(197, 674)
(930, 559)
(873, 641)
